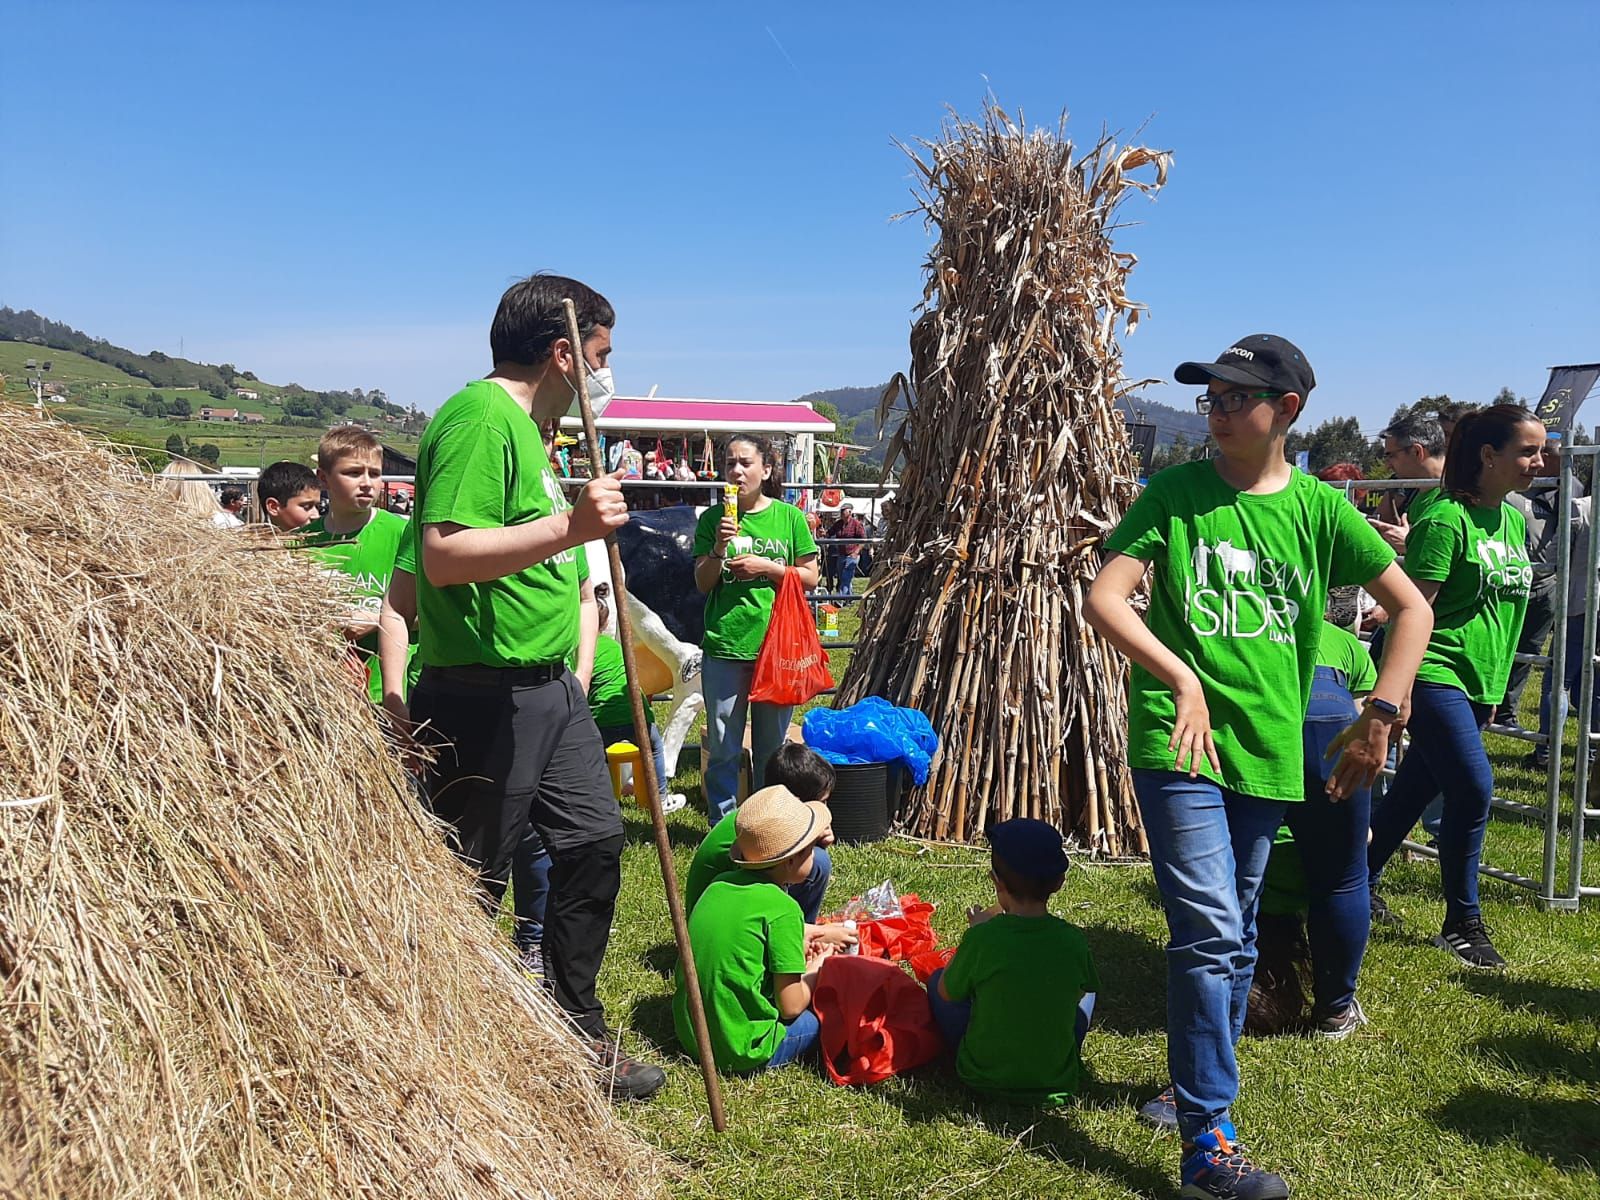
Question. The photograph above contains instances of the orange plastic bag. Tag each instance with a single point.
(876, 1022)
(902, 937)
(791, 667)
(925, 964)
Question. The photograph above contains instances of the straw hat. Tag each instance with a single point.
(772, 825)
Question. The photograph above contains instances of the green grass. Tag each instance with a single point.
(1466, 1084)
(66, 366)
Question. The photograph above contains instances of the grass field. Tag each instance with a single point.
(66, 366)
(1465, 1084)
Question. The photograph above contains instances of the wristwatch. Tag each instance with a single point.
(1387, 707)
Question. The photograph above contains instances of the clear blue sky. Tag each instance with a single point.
(337, 193)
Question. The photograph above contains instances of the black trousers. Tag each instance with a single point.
(513, 754)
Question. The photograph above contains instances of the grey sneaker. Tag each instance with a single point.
(531, 959)
(1341, 1025)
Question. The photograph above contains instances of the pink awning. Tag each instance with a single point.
(711, 416)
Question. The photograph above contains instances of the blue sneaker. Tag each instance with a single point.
(1162, 1112)
(1215, 1167)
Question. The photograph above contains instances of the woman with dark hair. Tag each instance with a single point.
(1468, 556)
(739, 562)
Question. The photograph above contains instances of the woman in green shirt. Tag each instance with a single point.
(738, 565)
(1468, 556)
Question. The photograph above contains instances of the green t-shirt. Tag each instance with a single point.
(1237, 592)
(1345, 653)
(608, 687)
(1421, 503)
(368, 559)
(1479, 556)
(1024, 976)
(738, 610)
(481, 464)
(713, 858)
(745, 930)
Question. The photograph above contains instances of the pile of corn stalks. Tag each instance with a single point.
(1016, 465)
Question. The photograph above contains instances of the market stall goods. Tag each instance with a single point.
(1016, 465)
(236, 959)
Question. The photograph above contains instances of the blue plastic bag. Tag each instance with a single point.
(872, 731)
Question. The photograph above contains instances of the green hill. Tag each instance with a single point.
(145, 400)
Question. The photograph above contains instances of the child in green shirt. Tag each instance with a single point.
(1016, 1000)
(756, 977)
(1242, 551)
(356, 538)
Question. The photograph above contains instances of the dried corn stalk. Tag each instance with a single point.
(1016, 466)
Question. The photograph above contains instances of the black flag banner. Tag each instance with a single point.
(1563, 395)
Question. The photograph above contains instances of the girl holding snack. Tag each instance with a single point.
(742, 553)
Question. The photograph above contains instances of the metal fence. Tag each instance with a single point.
(1556, 888)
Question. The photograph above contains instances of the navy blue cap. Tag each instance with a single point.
(1030, 848)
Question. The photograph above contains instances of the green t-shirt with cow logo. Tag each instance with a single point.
(1479, 558)
(739, 610)
(481, 464)
(367, 558)
(1238, 588)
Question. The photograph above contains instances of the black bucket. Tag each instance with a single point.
(861, 802)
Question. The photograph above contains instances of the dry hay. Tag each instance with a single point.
(1016, 465)
(235, 958)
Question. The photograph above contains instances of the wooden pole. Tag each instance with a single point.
(647, 760)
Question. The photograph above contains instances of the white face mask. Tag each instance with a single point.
(601, 392)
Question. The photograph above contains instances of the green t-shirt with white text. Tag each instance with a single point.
(481, 464)
(739, 610)
(1479, 557)
(367, 558)
(745, 931)
(1024, 976)
(1238, 588)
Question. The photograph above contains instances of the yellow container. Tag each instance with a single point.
(626, 754)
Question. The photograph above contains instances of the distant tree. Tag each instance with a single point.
(1180, 450)
(155, 396)
(153, 405)
(217, 390)
(175, 444)
(1336, 440)
(250, 375)
(179, 406)
(337, 403)
(1506, 396)
(206, 452)
(301, 406)
(227, 372)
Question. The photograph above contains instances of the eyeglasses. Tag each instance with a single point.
(1229, 402)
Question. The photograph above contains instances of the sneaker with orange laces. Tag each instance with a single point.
(1215, 1167)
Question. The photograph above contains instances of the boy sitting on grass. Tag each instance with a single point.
(810, 777)
(749, 939)
(289, 495)
(357, 538)
(1016, 1000)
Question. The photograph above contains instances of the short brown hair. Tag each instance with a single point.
(345, 440)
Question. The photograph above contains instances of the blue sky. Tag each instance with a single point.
(336, 194)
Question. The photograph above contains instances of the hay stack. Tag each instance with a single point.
(1017, 463)
(235, 959)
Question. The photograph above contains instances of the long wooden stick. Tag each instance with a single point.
(647, 760)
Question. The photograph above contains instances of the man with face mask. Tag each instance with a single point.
(499, 610)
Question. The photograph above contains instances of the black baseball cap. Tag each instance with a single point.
(1262, 360)
(1030, 847)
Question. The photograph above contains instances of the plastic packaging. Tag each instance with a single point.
(854, 947)
(873, 731)
(730, 501)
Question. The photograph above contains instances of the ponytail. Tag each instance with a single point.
(1463, 458)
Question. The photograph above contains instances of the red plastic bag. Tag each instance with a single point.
(875, 1020)
(791, 667)
(899, 937)
(929, 961)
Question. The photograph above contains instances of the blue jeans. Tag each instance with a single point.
(800, 1038)
(1209, 849)
(1446, 756)
(809, 893)
(611, 734)
(530, 889)
(726, 685)
(953, 1016)
(847, 574)
(1572, 680)
(1331, 838)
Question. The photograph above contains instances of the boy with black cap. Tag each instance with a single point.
(1016, 1000)
(1243, 548)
